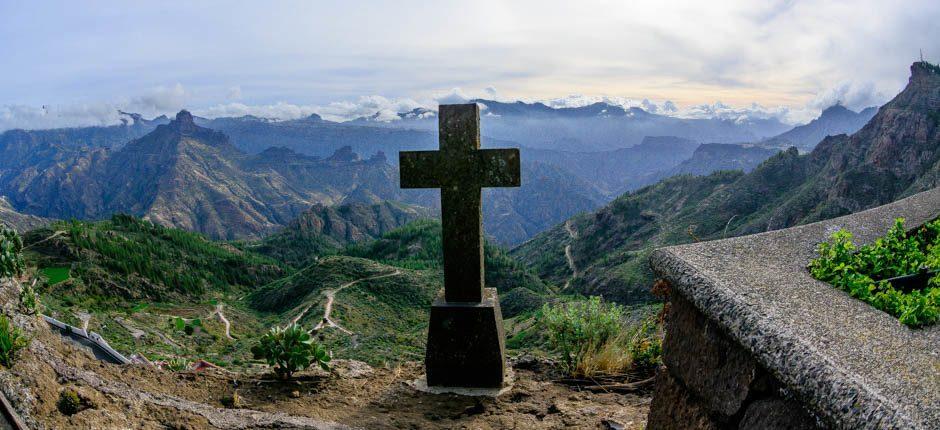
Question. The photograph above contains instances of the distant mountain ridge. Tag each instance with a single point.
(597, 127)
(834, 120)
(711, 157)
(620, 170)
(896, 154)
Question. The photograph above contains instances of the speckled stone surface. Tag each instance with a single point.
(851, 364)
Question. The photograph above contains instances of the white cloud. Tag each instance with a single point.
(853, 95)
(455, 96)
(161, 99)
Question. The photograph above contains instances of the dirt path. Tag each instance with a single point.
(568, 256)
(331, 295)
(228, 325)
(85, 318)
(52, 236)
(135, 332)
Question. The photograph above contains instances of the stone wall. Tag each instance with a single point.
(707, 381)
(753, 341)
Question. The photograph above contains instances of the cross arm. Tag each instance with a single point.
(419, 169)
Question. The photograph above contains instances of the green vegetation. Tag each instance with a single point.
(127, 258)
(187, 327)
(387, 314)
(864, 272)
(290, 349)
(29, 304)
(55, 275)
(931, 67)
(418, 246)
(11, 342)
(69, 402)
(177, 364)
(594, 338)
(11, 262)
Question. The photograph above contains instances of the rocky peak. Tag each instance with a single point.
(184, 121)
(344, 154)
(924, 70)
(836, 110)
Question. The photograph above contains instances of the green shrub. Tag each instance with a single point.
(11, 342)
(863, 272)
(290, 349)
(69, 402)
(28, 302)
(177, 364)
(11, 263)
(646, 344)
(582, 329)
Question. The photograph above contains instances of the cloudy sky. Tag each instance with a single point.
(69, 63)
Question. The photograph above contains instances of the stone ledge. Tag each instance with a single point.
(852, 365)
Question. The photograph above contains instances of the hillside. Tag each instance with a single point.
(10, 218)
(326, 229)
(711, 157)
(548, 195)
(418, 245)
(162, 292)
(896, 154)
(126, 260)
(380, 311)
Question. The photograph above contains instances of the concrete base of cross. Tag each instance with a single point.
(466, 346)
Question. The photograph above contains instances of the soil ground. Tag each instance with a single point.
(354, 395)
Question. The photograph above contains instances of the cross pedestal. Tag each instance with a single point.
(466, 346)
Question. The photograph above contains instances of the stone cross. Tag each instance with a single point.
(466, 346)
(460, 169)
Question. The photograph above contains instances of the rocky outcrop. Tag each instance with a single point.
(10, 218)
(711, 157)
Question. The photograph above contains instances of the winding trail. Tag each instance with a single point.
(568, 256)
(54, 235)
(331, 296)
(228, 325)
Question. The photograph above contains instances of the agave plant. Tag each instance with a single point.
(290, 349)
(10, 246)
(11, 342)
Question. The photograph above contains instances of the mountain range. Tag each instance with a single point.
(187, 176)
(897, 153)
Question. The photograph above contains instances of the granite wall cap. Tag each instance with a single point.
(851, 364)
